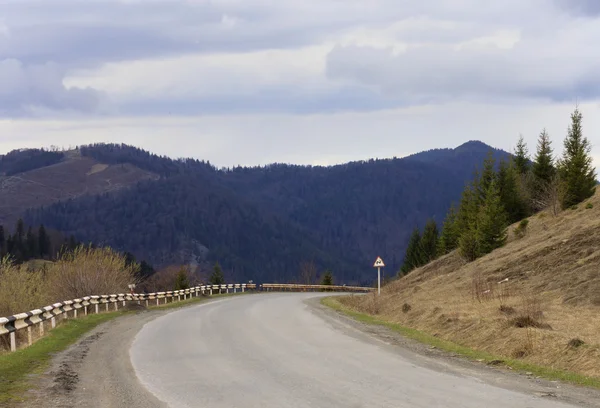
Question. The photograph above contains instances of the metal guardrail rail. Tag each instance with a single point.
(103, 303)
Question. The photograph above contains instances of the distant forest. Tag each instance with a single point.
(262, 223)
(19, 161)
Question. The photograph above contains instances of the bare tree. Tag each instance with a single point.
(308, 272)
(550, 195)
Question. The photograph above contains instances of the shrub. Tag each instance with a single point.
(521, 229)
(21, 290)
(589, 206)
(406, 308)
(576, 343)
(573, 207)
(87, 271)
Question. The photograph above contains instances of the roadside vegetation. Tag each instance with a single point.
(507, 192)
(513, 273)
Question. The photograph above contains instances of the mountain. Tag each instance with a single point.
(34, 178)
(262, 222)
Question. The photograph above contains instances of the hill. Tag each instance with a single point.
(262, 222)
(34, 178)
(533, 299)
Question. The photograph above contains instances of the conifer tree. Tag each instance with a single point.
(449, 236)
(543, 165)
(43, 242)
(492, 221)
(182, 281)
(510, 196)
(414, 254)
(521, 156)
(327, 278)
(31, 245)
(3, 250)
(429, 241)
(576, 168)
(217, 276)
(486, 178)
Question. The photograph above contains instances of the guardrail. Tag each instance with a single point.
(96, 304)
(93, 304)
(285, 287)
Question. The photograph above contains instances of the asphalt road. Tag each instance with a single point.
(272, 351)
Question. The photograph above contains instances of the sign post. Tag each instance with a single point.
(379, 264)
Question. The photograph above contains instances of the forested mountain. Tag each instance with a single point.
(261, 223)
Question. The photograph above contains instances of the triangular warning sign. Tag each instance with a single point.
(379, 263)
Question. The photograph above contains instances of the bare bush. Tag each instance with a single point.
(308, 273)
(550, 195)
(21, 290)
(481, 290)
(88, 271)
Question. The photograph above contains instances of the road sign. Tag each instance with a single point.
(379, 263)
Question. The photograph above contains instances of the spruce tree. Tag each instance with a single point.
(327, 278)
(486, 177)
(217, 276)
(492, 221)
(576, 168)
(3, 250)
(31, 245)
(182, 281)
(43, 242)
(429, 241)
(449, 236)
(510, 196)
(521, 156)
(414, 254)
(543, 165)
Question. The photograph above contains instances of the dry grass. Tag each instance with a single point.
(528, 300)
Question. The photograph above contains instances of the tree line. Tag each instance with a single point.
(31, 243)
(507, 192)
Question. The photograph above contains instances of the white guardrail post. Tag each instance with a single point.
(12, 324)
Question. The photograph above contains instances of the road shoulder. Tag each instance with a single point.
(438, 360)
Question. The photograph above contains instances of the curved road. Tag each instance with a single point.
(272, 351)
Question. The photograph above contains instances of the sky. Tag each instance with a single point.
(252, 82)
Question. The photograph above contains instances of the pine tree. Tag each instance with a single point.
(543, 165)
(217, 276)
(327, 278)
(182, 281)
(429, 241)
(492, 221)
(510, 196)
(576, 168)
(31, 245)
(43, 242)
(521, 156)
(449, 236)
(3, 250)
(414, 254)
(486, 178)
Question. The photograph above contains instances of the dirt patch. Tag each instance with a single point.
(97, 168)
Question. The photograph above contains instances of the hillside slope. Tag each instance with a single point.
(251, 219)
(550, 280)
(69, 178)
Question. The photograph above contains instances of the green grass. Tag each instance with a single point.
(15, 368)
(472, 354)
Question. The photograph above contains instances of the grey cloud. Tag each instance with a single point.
(24, 89)
(581, 7)
(438, 74)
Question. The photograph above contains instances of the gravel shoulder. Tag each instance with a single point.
(439, 360)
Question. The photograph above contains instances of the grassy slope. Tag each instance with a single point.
(15, 368)
(553, 276)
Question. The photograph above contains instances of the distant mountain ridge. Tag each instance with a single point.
(262, 222)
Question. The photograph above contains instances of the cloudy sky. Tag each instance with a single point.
(301, 81)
